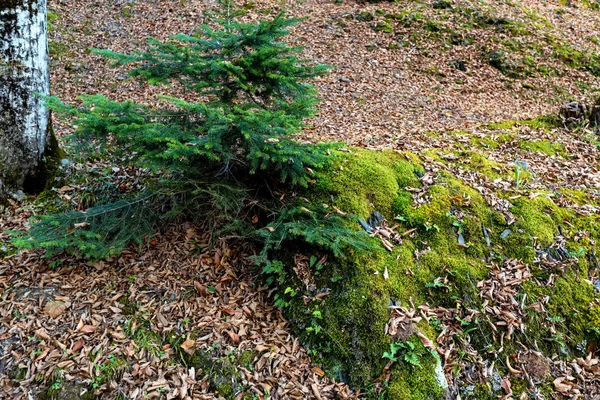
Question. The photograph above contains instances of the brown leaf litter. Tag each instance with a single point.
(77, 317)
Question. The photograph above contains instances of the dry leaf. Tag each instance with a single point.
(234, 336)
(55, 308)
(426, 341)
(88, 329)
(78, 345)
(505, 383)
(189, 346)
(43, 334)
(200, 288)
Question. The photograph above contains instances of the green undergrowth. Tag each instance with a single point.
(544, 147)
(546, 123)
(339, 306)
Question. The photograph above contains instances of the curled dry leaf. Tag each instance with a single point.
(234, 336)
(200, 288)
(261, 347)
(43, 334)
(561, 386)
(506, 386)
(189, 346)
(426, 341)
(118, 335)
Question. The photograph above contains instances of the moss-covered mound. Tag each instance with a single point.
(452, 242)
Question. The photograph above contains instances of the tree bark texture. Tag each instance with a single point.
(26, 138)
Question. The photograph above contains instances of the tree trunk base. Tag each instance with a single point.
(44, 173)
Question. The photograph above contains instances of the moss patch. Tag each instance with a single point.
(364, 181)
(454, 237)
(543, 146)
(416, 382)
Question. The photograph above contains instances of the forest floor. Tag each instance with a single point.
(465, 85)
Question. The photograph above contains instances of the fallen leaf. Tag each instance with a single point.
(78, 345)
(189, 346)
(234, 336)
(88, 329)
(200, 288)
(426, 341)
(55, 308)
(43, 334)
(505, 383)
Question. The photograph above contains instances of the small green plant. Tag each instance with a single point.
(400, 218)
(555, 320)
(559, 339)
(578, 253)
(429, 226)
(96, 382)
(281, 301)
(56, 385)
(518, 174)
(316, 264)
(275, 270)
(458, 224)
(403, 351)
(438, 283)
(314, 328)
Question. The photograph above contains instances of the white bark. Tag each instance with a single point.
(24, 119)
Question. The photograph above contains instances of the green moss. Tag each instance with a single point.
(66, 391)
(546, 123)
(416, 382)
(385, 27)
(478, 162)
(365, 16)
(538, 217)
(113, 366)
(578, 196)
(569, 299)
(129, 307)
(365, 181)
(593, 4)
(143, 336)
(484, 142)
(574, 58)
(223, 375)
(345, 332)
(58, 50)
(247, 358)
(543, 146)
(518, 386)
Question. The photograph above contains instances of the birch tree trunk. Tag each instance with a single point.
(26, 138)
